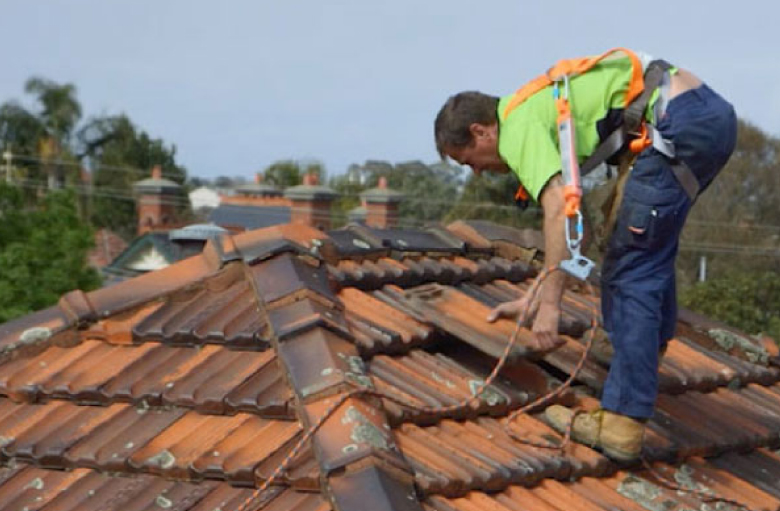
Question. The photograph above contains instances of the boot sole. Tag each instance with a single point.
(620, 457)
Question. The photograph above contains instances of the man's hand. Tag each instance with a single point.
(511, 310)
(546, 328)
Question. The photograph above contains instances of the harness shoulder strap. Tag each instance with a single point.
(574, 67)
(633, 115)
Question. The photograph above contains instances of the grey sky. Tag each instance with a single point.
(239, 84)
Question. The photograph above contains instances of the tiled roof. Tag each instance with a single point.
(188, 387)
(108, 245)
(248, 216)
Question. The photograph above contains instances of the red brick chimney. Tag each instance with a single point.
(310, 203)
(156, 202)
(381, 205)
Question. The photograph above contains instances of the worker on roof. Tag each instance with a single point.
(693, 135)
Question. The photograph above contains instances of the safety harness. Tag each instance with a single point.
(633, 136)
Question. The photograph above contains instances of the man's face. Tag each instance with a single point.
(481, 154)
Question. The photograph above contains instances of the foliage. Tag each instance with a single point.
(42, 252)
(725, 220)
(60, 110)
(44, 135)
(50, 148)
(491, 197)
(429, 190)
(287, 173)
(749, 301)
(122, 154)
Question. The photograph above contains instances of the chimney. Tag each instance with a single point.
(156, 202)
(258, 178)
(310, 203)
(381, 205)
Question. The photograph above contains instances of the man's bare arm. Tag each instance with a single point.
(555, 249)
(545, 325)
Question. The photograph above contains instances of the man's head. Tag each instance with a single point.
(466, 130)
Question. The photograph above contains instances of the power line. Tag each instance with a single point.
(261, 211)
(408, 221)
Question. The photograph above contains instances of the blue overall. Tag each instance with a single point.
(639, 302)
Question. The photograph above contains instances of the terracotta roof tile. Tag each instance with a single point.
(209, 373)
(218, 310)
(45, 441)
(453, 458)
(293, 318)
(438, 381)
(95, 372)
(290, 277)
(26, 487)
(444, 307)
(373, 487)
(384, 327)
(29, 333)
(201, 445)
(414, 271)
(110, 446)
(355, 432)
(318, 361)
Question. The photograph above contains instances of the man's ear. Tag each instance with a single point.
(478, 130)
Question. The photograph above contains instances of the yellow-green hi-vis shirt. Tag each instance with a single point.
(528, 137)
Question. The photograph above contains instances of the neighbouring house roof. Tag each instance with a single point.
(108, 245)
(186, 388)
(249, 217)
(159, 249)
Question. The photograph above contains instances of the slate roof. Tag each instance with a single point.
(249, 217)
(186, 388)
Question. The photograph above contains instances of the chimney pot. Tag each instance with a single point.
(157, 172)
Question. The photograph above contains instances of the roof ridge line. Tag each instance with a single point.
(353, 439)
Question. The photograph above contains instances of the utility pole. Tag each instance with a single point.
(703, 268)
(8, 157)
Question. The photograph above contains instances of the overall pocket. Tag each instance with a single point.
(648, 227)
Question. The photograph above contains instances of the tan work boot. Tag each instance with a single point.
(618, 436)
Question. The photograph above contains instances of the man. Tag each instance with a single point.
(492, 134)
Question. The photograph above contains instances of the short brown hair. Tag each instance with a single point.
(451, 127)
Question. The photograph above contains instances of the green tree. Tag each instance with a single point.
(60, 110)
(429, 190)
(287, 173)
(43, 138)
(43, 252)
(734, 217)
(491, 197)
(121, 155)
(50, 146)
(749, 301)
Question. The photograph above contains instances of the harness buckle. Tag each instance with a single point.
(643, 140)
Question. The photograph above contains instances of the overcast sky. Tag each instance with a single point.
(238, 84)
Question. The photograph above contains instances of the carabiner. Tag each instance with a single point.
(578, 266)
